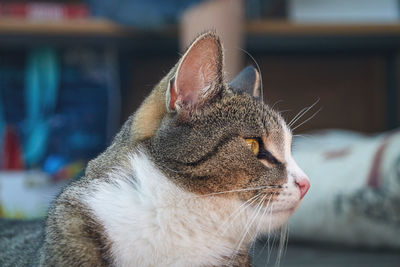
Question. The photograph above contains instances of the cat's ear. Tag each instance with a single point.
(247, 81)
(199, 76)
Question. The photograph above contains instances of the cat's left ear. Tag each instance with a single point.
(199, 76)
(247, 81)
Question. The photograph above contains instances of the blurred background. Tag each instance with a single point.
(71, 72)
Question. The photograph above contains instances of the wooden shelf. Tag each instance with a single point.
(64, 27)
(96, 27)
(279, 27)
(94, 32)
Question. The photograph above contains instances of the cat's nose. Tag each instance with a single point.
(304, 184)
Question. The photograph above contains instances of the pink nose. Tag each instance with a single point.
(303, 184)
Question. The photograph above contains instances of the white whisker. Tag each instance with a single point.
(277, 102)
(237, 212)
(239, 190)
(302, 113)
(259, 223)
(307, 119)
(284, 110)
(258, 209)
(269, 226)
(282, 242)
(298, 115)
(269, 235)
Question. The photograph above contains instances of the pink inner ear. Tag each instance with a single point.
(198, 70)
(173, 96)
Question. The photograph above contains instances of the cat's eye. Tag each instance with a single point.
(253, 145)
(256, 145)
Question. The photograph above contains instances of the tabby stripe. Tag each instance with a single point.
(208, 155)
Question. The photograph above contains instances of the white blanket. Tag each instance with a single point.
(355, 189)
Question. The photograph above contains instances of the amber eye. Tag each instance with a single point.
(253, 145)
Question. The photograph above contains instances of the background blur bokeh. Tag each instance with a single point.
(71, 72)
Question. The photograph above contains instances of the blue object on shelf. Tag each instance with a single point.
(59, 102)
(147, 15)
(42, 82)
(53, 163)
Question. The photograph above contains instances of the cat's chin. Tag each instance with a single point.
(288, 211)
(277, 217)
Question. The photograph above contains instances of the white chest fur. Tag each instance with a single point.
(152, 222)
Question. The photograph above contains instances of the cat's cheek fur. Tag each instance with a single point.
(151, 222)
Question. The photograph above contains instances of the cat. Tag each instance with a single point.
(194, 176)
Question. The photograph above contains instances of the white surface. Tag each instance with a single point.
(344, 11)
(327, 212)
(26, 194)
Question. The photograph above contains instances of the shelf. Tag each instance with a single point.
(94, 32)
(63, 27)
(264, 27)
(278, 36)
(280, 27)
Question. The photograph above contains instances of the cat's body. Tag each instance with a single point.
(180, 185)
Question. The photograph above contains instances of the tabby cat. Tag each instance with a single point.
(194, 176)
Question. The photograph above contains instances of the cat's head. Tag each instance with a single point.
(214, 138)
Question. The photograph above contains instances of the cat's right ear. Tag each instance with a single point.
(247, 81)
(198, 77)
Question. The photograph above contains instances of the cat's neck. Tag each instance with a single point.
(149, 220)
(139, 126)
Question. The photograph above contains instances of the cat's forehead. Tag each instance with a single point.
(249, 114)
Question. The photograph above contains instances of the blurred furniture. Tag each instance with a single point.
(351, 68)
(330, 42)
(60, 106)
